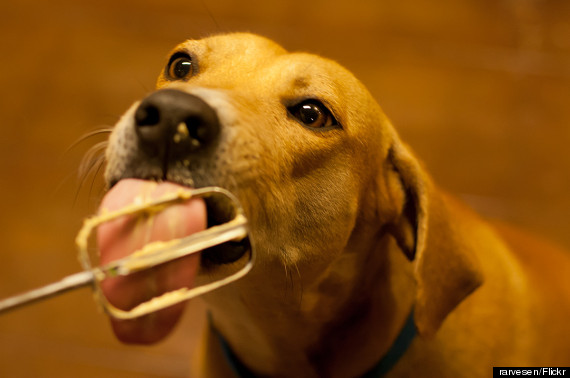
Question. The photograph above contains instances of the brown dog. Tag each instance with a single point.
(351, 233)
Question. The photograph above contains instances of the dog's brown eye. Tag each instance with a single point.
(180, 67)
(313, 114)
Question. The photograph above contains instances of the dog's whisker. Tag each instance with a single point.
(92, 159)
(102, 131)
(100, 164)
(82, 180)
(92, 155)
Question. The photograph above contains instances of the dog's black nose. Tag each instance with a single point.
(175, 121)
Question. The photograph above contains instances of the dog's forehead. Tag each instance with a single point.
(239, 50)
(245, 56)
(309, 75)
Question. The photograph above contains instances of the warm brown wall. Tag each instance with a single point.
(480, 89)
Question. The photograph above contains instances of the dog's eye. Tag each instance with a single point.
(314, 114)
(180, 67)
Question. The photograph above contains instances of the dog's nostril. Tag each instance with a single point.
(202, 129)
(147, 115)
(193, 125)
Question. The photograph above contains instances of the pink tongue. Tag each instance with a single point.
(125, 235)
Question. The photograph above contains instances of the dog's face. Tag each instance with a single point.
(320, 171)
(293, 136)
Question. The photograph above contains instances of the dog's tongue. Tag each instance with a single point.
(125, 235)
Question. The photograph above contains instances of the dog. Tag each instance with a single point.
(364, 265)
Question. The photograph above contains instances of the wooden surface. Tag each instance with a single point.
(480, 89)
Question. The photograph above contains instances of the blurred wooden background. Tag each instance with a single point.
(479, 88)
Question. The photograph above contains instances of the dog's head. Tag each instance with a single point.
(292, 135)
(296, 137)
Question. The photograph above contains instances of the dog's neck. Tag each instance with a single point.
(325, 327)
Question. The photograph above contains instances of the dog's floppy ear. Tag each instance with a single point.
(410, 225)
(445, 270)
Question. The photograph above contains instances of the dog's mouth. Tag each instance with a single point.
(128, 235)
(219, 209)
